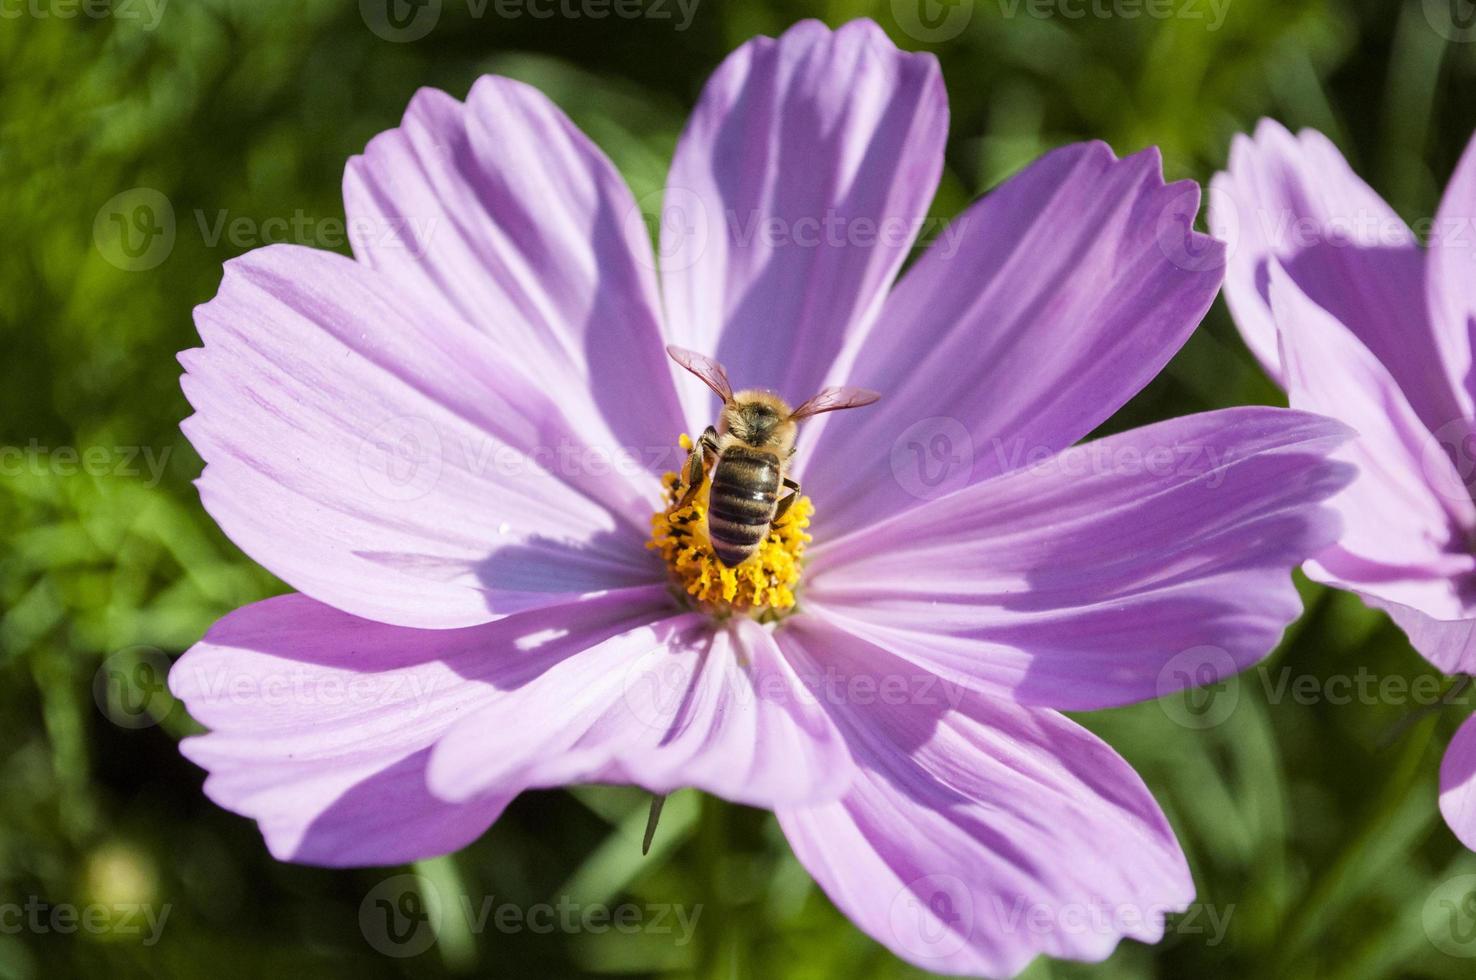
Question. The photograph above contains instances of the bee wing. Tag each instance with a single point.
(710, 371)
(833, 400)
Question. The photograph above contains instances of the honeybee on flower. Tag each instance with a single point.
(508, 627)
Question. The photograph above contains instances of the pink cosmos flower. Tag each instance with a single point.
(477, 614)
(1356, 320)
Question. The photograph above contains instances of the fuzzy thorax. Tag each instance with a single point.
(762, 586)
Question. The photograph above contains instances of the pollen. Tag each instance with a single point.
(762, 587)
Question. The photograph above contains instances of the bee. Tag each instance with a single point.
(746, 455)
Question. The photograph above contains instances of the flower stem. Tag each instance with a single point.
(1305, 920)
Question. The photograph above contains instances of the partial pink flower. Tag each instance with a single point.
(1358, 321)
(452, 446)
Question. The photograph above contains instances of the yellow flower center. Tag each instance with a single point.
(763, 586)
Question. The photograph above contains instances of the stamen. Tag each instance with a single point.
(762, 586)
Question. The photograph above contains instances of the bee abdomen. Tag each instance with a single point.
(741, 505)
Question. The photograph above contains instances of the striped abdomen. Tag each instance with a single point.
(740, 505)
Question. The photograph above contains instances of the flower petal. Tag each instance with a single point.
(796, 191)
(1075, 584)
(1037, 314)
(680, 705)
(1450, 283)
(976, 837)
(1406, 514)
(1295, 200)
(390, 463)
(322, 722)
(1448, 644)
(520, 226)
(1458, 783)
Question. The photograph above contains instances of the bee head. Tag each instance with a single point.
(759, 419)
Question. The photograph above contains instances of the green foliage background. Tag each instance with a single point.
(1321, 843)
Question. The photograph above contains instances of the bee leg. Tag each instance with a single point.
(787, 501)
(693, 477)
(702, 455)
